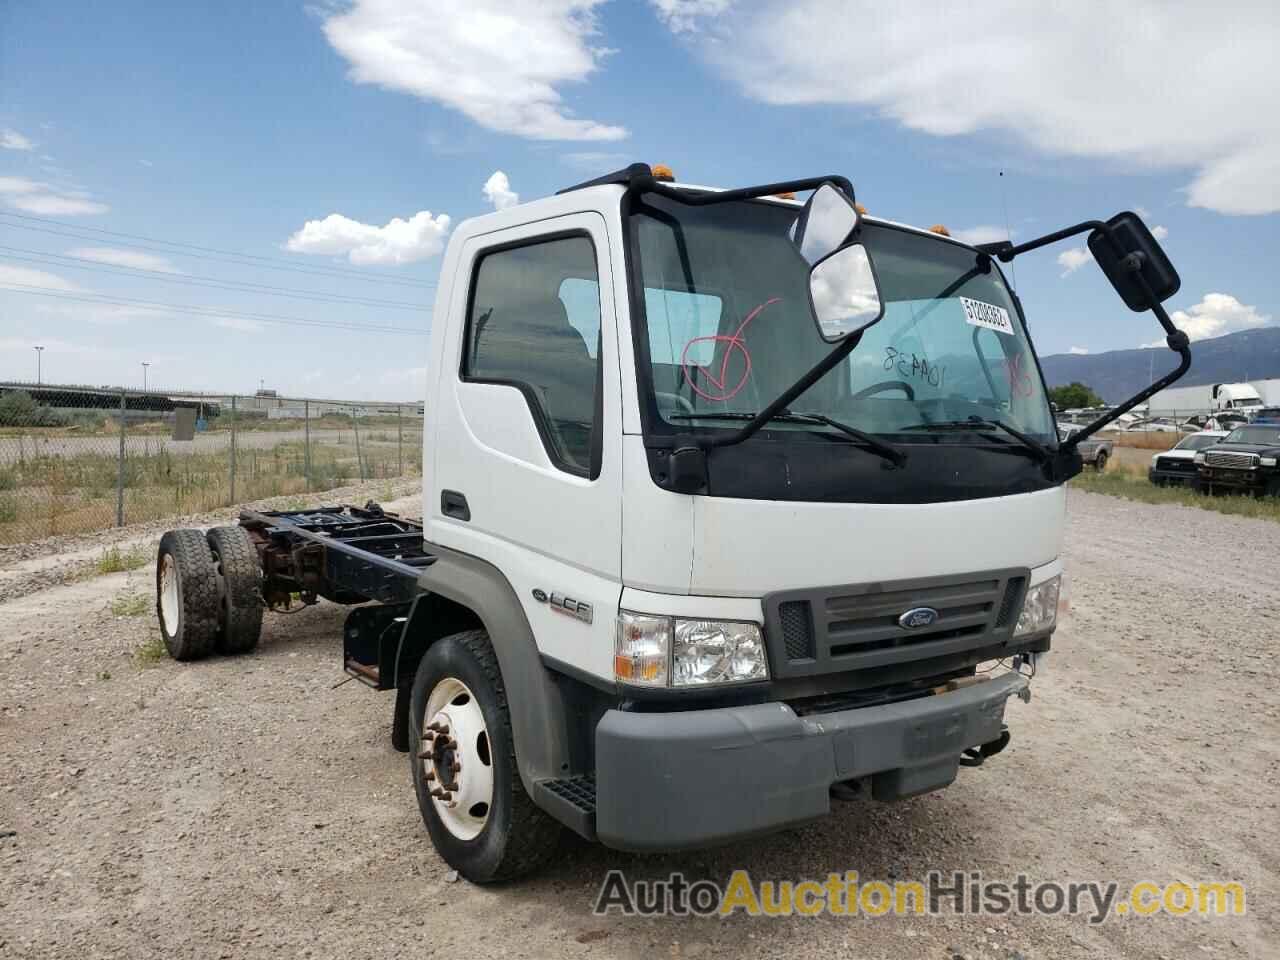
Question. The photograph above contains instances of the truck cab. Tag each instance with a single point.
(732, 503)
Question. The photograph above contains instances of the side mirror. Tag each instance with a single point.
(844, 294)
(824, 223)
(1128, 251)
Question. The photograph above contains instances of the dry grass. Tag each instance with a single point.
(1144, 440)
(151, 651)
(130, 605)
(1131, 483)
(115, 560)
(46, 495)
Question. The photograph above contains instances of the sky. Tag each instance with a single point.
(250, 194)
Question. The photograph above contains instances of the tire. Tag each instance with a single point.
(186, 595)
(1100, 461)
(236, 560)
(513, 837)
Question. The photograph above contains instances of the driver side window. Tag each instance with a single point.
(533, 308)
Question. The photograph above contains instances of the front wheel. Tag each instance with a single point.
(465, 774)
(1100, 461)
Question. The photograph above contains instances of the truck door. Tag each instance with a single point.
(527, 474)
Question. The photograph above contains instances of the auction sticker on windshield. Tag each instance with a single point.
(987, 315)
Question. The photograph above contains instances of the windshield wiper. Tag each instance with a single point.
(1042, 453)
(886, 450)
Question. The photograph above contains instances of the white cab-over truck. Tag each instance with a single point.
(729, 500)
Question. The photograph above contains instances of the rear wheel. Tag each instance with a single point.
(186, 594)
(1100, 461)
(236, 560)
(473, 802)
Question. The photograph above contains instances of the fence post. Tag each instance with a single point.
(399, 440)
(306, 442)
(233, 450)
(355, 427)
(120, 466)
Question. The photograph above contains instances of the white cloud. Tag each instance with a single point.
(1160, 233)
(1079, 351)
(12, 275)
(1073, 259)
(12, 140)
(981, 234)
(124, 258)
(40, 198)
(683, 16)
(497, 190)
(1151, 84)
(399, 241)
(1215, 315)
(499, 62)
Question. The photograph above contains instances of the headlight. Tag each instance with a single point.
(1267, 461)
(1200, 457)
(717, 651)
(672, 652)
(1040, 608)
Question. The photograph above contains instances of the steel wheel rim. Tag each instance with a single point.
(169, 595)
(457, 759)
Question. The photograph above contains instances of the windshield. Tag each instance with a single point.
(1259, 435)
(729, 328)
(1196, 442)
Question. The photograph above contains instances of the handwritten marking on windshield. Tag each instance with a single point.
(721, 390)
(1020, 382)
(911, 365)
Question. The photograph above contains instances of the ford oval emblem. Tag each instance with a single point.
(918, 617)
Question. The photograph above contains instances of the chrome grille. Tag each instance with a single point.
(1176, 464)
(855, 627)
(1232, 461)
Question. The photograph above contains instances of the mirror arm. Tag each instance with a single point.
(1005, 251)
(1178, 342)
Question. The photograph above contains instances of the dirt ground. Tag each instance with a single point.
(248, 807)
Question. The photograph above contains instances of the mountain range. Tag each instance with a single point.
(1117, 374)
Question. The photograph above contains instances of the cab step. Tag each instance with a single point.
(572, 801)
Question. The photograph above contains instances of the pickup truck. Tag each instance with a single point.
(1244, 461)
(1093, 451)
(728, 499)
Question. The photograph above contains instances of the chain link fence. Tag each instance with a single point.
(76, 459)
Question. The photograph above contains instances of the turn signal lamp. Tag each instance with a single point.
(862, 211)
(939, 228)
(663, 173)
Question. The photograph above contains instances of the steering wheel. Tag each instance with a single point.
(682, 402)
(886, 385)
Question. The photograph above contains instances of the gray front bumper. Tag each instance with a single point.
(670, 781)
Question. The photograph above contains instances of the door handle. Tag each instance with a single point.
(454, 504)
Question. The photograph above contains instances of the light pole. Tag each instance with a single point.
(39, 351)
(145, 364)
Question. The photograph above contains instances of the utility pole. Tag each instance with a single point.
(39, 352)
(145, 364)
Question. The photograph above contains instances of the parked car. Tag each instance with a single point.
(1226, 421)
(1247, 460)
(1267, 415)
(1092, 451)
(1178, 466)
(1155, 425)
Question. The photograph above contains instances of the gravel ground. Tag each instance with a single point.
(246, 807)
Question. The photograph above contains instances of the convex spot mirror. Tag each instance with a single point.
(844, 294)
(824, 223)
(1130, 251)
